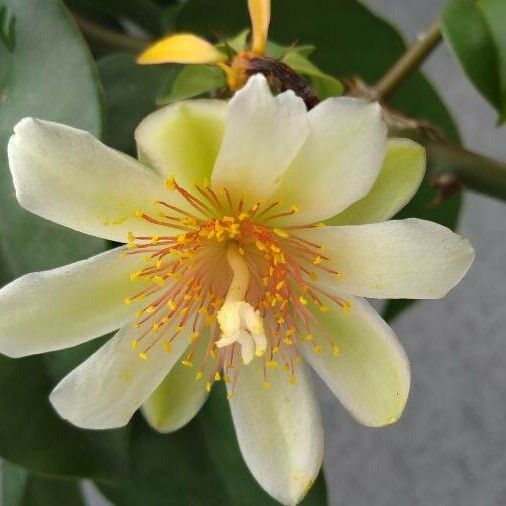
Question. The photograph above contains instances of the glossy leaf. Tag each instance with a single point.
(195, 80)
(22, 488)
(56, 88)
(475, 32)
(130, 93)
(208, 447)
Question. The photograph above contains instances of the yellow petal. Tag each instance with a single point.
(181, 48)
(260, 14)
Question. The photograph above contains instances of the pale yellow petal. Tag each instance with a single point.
(260, 14)
(181, 48)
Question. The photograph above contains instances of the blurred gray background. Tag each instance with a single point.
(449, 449)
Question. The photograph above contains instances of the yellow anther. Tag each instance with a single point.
(317, 260)
(292, 379)
(179, 328)
(167, 346)
(209, 386)
(336, 350)
(171, 305)
(194, 336)
(226, 379)
(135, 343)
(303, 301)
(158, 280)
(324, 309)
(213, 352)
(170, 183)
(135, 275)
(240, 250)
(155, 239)
(138, 214)
(217, 376)
(260, 245)
(181, 239)
(155, 327)
(317, 348)
(290, 331)
(187, 297)
(187, 362)
(230, 395)
(198, 375)
(288, 341)
(280, 232)
(131, 237)
(184, 310)
(243, 216)
(272, 364)
(313, 276)
(143, 356)
(321, 225)
(267, 385)
(309, 337)
(295, 209)
(280, 285)
(265, 281)
(346, 306)
(150, 309)
(275, 349)
(138, 314)
(127, 300)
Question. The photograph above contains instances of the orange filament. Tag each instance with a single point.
(189, 279)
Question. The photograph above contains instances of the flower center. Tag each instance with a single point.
(224, 277)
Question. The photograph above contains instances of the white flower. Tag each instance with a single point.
(226, 264)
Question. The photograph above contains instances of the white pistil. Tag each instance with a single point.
(239, 322)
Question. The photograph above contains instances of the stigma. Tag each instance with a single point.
(239, 321)
(225, 276)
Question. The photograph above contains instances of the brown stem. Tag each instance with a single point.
(425, 43)
(109, 37)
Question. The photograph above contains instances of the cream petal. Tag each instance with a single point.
(279, 431)
(367, 368)
(339, 161)
(400, 176)
(410, 259)
(105, 390)
(262, 136)
(51, 310)
(67, 176)
(183, 139)
(180, 395)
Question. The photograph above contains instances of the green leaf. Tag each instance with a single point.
(475, 31)
(146, 13)
(208, 447)
(32, 434)
(21, 488)
(195, 80)
(130, 92)
(61, 86)
(7, 29)
(325, 85)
